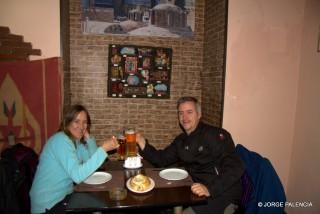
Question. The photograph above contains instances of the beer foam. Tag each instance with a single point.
(129, 131)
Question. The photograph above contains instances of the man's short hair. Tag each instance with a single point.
(189, 99)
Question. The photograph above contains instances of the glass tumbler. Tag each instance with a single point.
(122, 147)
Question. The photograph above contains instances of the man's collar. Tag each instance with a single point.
(200, 124)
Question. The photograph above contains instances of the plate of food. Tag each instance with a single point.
(98, 178)
(173, 174)
(140, 183)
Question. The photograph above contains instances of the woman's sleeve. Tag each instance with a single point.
(92, 145)
(85, 151)
(66, 154)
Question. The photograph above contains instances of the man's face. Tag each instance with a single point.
(189, 117)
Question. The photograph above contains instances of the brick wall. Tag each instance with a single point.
(212, 77)
(86, 80)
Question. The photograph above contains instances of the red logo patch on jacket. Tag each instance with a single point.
(221, 136)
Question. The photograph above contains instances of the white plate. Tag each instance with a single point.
(173, 174)
(98, 178)
(147, 190)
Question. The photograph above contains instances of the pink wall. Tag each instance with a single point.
(271, 98)
(263, 54)
(38, 21)
(304, 174)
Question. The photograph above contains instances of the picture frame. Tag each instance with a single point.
(139, 71)
(165, 18)
(318, 45)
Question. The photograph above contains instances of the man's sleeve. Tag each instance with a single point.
(162, 157)
(229, 168)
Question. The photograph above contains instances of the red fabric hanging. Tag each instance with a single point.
(30, 101)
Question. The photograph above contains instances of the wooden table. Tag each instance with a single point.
(170, 195)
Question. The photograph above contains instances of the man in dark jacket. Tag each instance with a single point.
(207, 153)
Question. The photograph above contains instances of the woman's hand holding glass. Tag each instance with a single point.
(110, 144)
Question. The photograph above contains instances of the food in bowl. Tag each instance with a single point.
(140, 183)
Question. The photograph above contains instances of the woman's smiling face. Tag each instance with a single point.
(78, 126)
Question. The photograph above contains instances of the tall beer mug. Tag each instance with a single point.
(131, 142)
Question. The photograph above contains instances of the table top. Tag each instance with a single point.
(166, 194)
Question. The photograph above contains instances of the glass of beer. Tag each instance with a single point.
(131, 142)
(122, 146)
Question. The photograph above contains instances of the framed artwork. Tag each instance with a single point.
(139, 71)
(164, 18)
(318, 46)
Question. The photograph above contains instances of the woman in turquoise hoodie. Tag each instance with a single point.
(69, 156)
